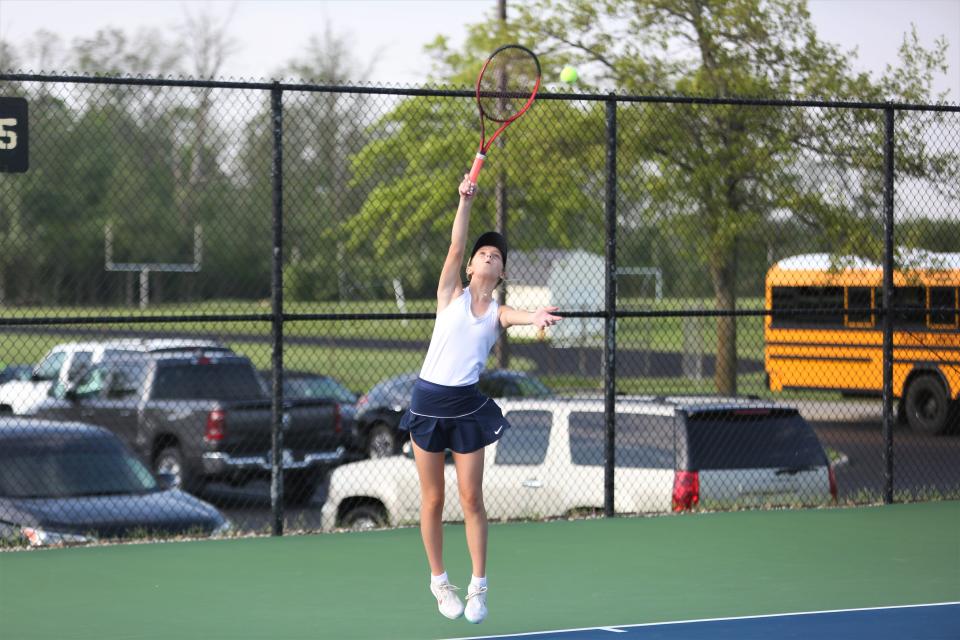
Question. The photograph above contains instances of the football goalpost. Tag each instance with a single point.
(646, 273)
(144, 268)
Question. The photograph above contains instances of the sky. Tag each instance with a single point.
(392, 32)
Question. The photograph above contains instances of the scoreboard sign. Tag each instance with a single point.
(14, 157)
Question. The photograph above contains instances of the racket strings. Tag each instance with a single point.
(507, 83)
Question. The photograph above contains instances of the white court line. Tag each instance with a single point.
(620, 627)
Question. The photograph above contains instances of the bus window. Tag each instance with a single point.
(859, 305)
(915, 298)
(807, 306)
(943, 298)
(913, 303)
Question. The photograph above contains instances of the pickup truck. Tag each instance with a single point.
(204, 417)
(66, 362)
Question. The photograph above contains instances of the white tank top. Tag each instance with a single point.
(460, 343)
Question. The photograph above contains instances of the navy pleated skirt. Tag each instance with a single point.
(458, 418)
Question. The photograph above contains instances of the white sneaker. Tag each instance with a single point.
(447, 600)
(476, 609)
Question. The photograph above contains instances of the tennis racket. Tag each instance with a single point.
(506, 87)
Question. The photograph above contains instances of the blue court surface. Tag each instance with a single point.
(940, 621)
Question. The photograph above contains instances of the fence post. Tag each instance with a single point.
(888, 266)
(276, 297)
(610, 317)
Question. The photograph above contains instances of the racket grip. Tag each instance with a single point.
(477, 165)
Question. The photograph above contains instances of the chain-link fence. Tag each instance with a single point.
(236, 282)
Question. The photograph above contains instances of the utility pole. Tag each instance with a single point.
(502, 348)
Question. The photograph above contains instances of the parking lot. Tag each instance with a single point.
(923, 465)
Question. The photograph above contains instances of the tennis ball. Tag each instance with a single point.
(569, 74)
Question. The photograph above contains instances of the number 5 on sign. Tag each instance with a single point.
(14, 128)
(8, 133)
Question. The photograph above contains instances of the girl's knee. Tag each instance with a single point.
(432, 501)
(471, 502)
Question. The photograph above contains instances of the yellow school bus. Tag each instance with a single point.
(823, 331)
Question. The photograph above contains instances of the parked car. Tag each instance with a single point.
(204, 417)
(15, 372)
(64, 483)
(672, 454)
(306, 385)
(379, 410)
(65, 363)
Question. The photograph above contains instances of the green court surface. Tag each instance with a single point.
(549, 575)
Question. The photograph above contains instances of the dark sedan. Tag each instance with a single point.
(63, 483)
(306, 385)
(379, 410)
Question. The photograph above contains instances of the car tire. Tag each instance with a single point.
(299, 486)
(927, 405)
(382, 441)
(584, 513)
(171, 460)
(364, 517)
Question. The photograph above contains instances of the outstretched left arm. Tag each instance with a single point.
(541, 318)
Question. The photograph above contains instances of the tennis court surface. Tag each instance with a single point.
(724, 575)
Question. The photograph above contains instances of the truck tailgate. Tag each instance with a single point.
(307, 426)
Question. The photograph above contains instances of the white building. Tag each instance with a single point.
(570, 279)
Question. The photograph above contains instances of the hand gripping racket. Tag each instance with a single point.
(506, 87)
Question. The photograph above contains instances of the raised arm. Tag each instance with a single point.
(450, 286)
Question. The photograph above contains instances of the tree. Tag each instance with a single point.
(110, 51)
(11, 215)
(102, 155)
(721, 175)
(207, 46)
(552, 160)
(9, 59)
(322, 131)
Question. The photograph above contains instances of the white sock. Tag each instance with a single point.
(440, 579)
(478, 582)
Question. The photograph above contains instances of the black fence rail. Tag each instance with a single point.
(215, 298)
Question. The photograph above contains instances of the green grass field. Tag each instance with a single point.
(361, 368)
(657, 333)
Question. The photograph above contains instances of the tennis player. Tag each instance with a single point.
(448, 411)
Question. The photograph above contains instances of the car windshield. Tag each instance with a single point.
(212, 381)
(512, 385)
(94, 468)
(318, 387)
(531, 387)
(49, 369)
(750, 439)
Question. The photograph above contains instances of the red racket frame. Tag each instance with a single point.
(484, 143)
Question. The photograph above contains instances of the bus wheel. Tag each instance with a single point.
(927, 405)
